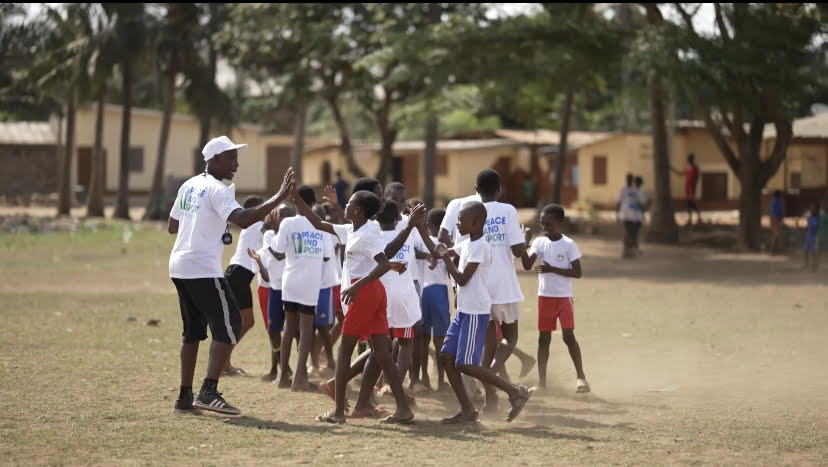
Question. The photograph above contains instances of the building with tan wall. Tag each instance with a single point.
(603, 164)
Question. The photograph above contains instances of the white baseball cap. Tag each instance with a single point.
(217, 146)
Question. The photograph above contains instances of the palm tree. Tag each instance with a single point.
(131, 42)
(174, 49)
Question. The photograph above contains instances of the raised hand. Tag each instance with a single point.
(440, 250)
(329, 194)
(527, 234)
(287, 182)
(417, 216)
(252, 254)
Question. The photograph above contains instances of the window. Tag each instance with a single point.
(599, 170)
(796, 180)
(136, 159)
(574, 175)
(441, 165)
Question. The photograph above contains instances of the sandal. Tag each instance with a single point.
(391, 419)
(519, 402)
(329, 417)
(461, 418)
(378, 412)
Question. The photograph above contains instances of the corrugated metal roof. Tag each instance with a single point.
(574, 139)
(815, 126)
(443, 145)
(33, 133)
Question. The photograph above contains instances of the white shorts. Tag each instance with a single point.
(505, 313)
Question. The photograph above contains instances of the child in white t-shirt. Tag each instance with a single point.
(560, 260)
(435, 304)
(275, 314)
(463, 347)
(306, 249)
(403, 303)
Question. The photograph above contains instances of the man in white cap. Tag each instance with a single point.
(203, 208)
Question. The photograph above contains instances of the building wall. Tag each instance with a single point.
(182, 145)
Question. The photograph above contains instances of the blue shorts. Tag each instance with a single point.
(275, 312)
(466, 337)
(325, 315)
(436, 312)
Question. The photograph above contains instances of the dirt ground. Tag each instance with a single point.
(694, 356)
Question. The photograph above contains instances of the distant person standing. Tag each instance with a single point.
(641, 208)
(627, 212)
(341, 187)
(811, 232)
(691, 178)
(777, 217)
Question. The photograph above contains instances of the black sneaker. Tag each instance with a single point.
(211, 399)
(185, 402)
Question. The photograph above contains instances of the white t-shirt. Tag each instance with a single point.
(436, 276)
(453, 213)
(250, 237)
(202, 207)
(361, 246)
(265, 256)
(630, 204)
(403, 305)
(304, 248)
(275, 267)
(418, 266)
(502, 230)
(559, 254)
(330, 274)
(473, 298)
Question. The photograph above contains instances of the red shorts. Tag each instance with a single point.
(366, 315)
(336, 300)
(403, 333)
(264, 293)
(551, 309)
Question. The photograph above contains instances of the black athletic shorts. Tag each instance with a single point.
(239, 278)
(299, 308)
(208, 302)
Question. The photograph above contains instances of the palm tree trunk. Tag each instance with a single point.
(65, 180)
(299, 137)
(95, 203)
(430, 156)
(205, 119)
(155, 204)
(663, 228)
(122, 203)
(560, 163)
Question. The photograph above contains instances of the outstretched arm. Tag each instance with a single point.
(574, 273)
(305, 210)
(461, 277)
(244, 218)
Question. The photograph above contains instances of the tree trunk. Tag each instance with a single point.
(560, 163)
(122, 203)
(663, 228)
(205, 119)
(430, 156)
(298, 149)
(95, 203)
(155, 209)
(65, 180)
(750, 202)
(345, 139)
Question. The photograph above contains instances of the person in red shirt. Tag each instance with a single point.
(691, 178)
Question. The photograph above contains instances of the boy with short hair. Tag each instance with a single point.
(560, 260)
(403, 303)
(275, 309)
(305, 249)
(463, 347)
(435, 304)
(239, 275)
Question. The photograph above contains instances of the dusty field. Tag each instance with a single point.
(694, 356)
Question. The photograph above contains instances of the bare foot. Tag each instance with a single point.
(270, 377)
(284, 382)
